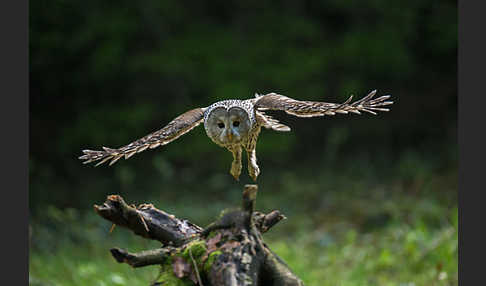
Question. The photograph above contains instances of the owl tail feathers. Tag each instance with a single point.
(271, 123)
(279, 127)
(274, 124)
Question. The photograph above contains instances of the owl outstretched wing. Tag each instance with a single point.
(299, 108)
(176, 128)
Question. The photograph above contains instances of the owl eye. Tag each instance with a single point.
(221, 125)
(236, 123)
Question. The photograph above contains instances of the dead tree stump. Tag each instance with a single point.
(229, 252)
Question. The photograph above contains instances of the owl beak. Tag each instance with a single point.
(229, 136)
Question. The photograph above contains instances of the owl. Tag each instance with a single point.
(235, 125)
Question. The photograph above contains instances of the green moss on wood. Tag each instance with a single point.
(197, 249)
(211, 258)
(168, 278)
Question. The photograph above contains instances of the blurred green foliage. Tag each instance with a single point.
(364, 194)
(364, 234)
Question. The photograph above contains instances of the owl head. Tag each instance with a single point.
(227, 125)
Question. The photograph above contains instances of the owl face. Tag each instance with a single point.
(227, 126)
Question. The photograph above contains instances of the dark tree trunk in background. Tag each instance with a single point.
(230, 251)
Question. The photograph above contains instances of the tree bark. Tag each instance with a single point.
(230, 251)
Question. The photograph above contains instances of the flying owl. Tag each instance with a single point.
(235, 125)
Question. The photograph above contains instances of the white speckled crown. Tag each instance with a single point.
(246, 105)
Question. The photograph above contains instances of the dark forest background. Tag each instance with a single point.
(104, 73)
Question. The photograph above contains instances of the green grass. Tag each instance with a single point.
(397, 255)
(399, 232)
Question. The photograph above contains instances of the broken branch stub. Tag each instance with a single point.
(148, 221)
(142, 258)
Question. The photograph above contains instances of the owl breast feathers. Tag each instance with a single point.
(235, 125)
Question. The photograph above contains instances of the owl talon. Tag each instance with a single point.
(236, 170)
(253, 171)
(236, 166)
(235, 173)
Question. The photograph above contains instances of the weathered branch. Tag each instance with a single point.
(277, 272)
(264, 222)
(142, 258)
(230, 251)
(147, 221)
(249, 197)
